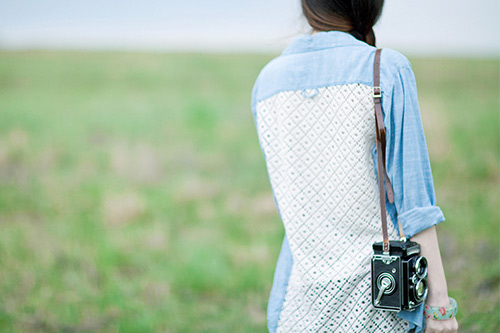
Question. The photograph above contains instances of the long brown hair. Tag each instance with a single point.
(356, 17)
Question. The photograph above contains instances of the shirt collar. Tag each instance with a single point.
(322, 40)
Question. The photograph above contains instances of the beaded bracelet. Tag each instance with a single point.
(441, 312)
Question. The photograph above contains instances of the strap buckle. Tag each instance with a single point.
(377, 92)
(386, 248)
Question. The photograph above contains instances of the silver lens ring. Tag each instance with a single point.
(421, 267)
(420, 290)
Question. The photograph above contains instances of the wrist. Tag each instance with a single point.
(437, 299)
(441, 312)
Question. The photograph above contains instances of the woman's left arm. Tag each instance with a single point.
(409, 169)
(438, 290)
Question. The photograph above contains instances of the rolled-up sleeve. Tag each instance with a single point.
(407, 158)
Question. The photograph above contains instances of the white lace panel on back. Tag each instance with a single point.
(318, 145)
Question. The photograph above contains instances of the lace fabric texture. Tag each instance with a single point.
(318, 146)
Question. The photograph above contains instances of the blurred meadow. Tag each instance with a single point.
(134, 196)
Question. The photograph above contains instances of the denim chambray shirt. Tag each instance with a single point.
(334, 58)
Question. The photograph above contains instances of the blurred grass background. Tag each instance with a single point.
(134, 196)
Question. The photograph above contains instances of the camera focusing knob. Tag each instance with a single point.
(385, 284)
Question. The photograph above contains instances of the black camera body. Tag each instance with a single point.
(399, 278)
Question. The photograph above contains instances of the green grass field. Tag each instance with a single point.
(134, 196)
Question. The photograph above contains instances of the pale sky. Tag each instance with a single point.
(425, 27)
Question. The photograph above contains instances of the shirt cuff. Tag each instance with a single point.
(419, 219)
(415, 319)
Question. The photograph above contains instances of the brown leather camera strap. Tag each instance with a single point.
(381, 141)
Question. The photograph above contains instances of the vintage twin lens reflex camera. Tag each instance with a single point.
(399, 278)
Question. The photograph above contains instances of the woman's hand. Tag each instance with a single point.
(438, 290)
(441, 326)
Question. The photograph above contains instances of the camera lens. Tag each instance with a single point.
(421, 290)
(421, 267)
